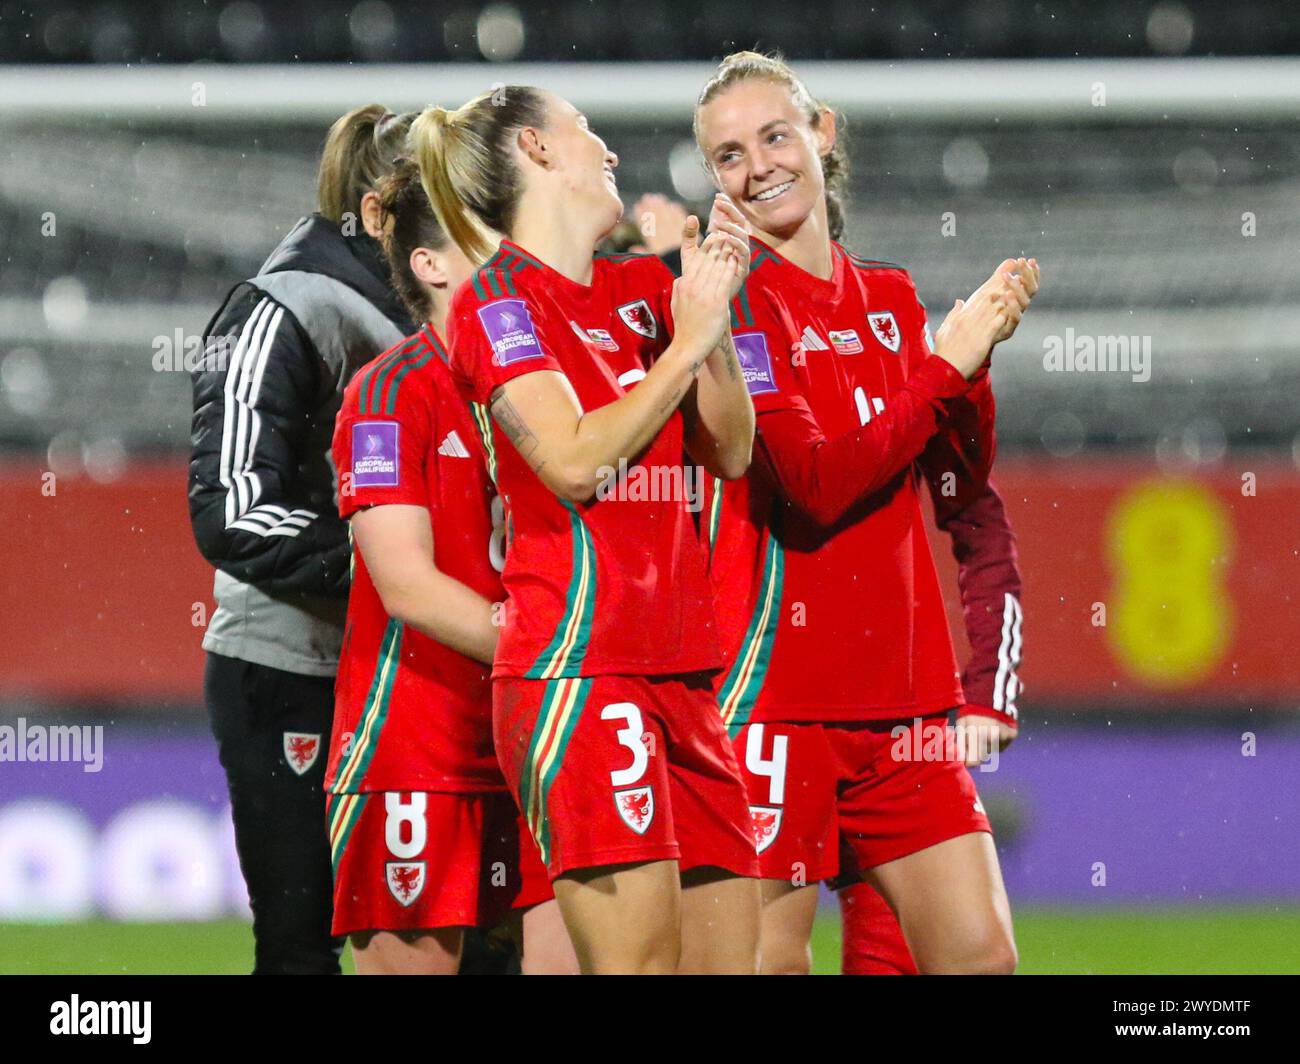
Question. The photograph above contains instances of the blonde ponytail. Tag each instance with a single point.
(438, 147)
(467, 165)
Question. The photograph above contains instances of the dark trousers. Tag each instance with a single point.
(279, 811)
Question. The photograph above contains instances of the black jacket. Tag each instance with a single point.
(277, 356)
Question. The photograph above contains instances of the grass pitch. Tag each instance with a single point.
(1052, 941)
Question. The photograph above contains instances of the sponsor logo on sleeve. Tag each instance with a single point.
(374, 454)
(755, 363)
(885, 328)
(510, 330)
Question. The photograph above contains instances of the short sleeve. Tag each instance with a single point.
(494, 340)
(382, 455)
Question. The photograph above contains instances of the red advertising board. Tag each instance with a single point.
(1154, 589)
(1142, 588)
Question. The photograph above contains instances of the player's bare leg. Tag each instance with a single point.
(623, 919)
(720, 916)
(544, 944)
(952, 906)
(785, 932)
(432, 952)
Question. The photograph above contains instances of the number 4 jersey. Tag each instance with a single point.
(826, 593)
(411, 714)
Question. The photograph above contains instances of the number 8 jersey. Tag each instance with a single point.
(411, 714)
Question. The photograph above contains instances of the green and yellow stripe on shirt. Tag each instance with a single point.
(567, 649)
(715, 514)
(352, 770)
(745, 680)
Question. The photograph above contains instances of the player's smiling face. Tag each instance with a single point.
(583, 160)
(765, 153)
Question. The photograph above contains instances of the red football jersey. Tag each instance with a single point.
(828, 601)
(617, 585)
(410, 713)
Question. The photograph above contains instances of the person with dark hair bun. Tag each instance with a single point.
(278, 354)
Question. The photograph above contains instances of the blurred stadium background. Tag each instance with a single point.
(1148, 154)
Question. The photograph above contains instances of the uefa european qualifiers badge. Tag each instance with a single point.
(510, 331)
(374, 454)
(755, 362)
(885, 328)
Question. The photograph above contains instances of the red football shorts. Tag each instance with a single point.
(405, 861)
(872, 943)
(790, 777)
(830, 800)
(613, 770)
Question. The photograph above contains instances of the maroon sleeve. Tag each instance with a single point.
(957, 460)
(966, 444)
(988, 576)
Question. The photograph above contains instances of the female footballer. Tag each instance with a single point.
(597, 373)
(841, 667)
(424, 835)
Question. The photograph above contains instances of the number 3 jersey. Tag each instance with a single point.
(410, 713)
(615, 585)
(827, 597)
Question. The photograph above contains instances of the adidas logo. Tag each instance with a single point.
(452, 447)
(812, 342)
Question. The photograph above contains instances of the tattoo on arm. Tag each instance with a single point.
(516, 429)
(729, 353)
(671, 401)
